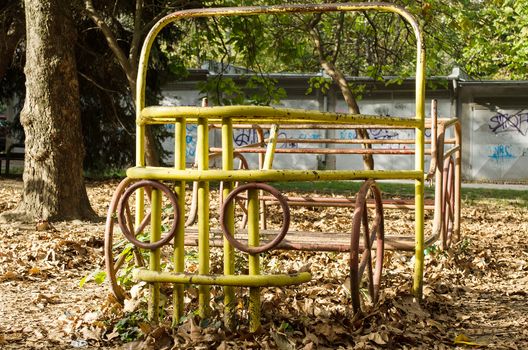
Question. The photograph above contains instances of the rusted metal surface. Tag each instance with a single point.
(311, 241)
(347, 202)
(111, 265)
(364, 229)
(123, 215)
(448, 203)
(285, 218)
(372, 231)
(262, 150)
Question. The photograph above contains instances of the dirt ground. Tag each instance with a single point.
(474, 295)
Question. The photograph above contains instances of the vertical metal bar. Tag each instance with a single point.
(179, 250)
(155, 255)
(140, 161)
(419, 166)
(267, 164)
(272, 145)
(202, 150)
(229, 254)
(458, 182)
(254, 260)
(260, 138)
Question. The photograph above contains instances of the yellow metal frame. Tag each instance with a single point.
(227, 116)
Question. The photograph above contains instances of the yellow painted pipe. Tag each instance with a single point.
(254, 260)
(272, 145)
(271, 175)
(264, 114)
(179, 238)
(155, 255)
(202, 150)
(151, 115)
(229, 254)
(419, 161)
(279, 280)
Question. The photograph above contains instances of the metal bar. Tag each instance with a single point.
(254, 281)
(263, 114)
(179, 238)
(347, 202)
(286, 124)
(229, 254)
(155, 255)
(458, 181)
(268, 164)
(271, 148)
(419, 165)
(159, 173)
(348, 142)
(324, 150)
(439, 175)
(279, 9)
(355, 142)
(253, 260)
(317, 241)
(202, 147)
(449, 152)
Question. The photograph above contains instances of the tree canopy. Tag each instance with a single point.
(485, 38)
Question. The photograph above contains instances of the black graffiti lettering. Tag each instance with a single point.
(382, 134)
(517, 122)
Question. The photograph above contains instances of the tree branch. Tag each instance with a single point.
(112, 42)
(136, 38)
(338, 35)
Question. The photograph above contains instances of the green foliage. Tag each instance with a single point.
(494, 33)
(254, 90)
(97, 276)
(318, 84)
(128, 327)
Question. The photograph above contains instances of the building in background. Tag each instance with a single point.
(494, 117)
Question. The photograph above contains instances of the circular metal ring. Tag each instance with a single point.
(122, 218)
(285, 216)
(372, 234)
(448, 205)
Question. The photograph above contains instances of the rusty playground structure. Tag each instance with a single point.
(251, 191)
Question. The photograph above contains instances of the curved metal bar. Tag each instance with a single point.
(111, 269)
(283, 9)
(122, 218)
(285, 216)
(375, 233)
(448, 203)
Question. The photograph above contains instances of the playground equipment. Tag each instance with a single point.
(367, 241)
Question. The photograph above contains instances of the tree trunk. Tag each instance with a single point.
(53, 179)
(339, 79)
(353, 108)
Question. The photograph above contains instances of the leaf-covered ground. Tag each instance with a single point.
(474, 295)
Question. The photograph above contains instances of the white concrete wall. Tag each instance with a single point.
(391, 106)
(499, 146)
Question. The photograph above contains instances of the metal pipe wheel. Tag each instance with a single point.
(448, 202)
(285, 218)
(122, 254)
(372, 230)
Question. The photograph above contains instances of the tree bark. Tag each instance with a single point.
(53, 179)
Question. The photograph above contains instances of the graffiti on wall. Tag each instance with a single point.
(505, 122)
(498, 143)
(245, 137)
(501, 153)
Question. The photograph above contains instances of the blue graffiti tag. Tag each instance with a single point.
(501, 153)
